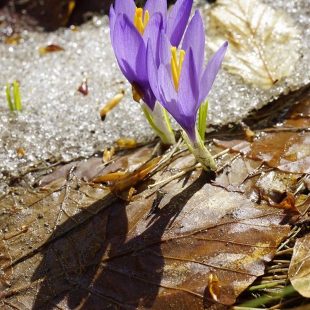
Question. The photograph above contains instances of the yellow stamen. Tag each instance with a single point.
(181, 58)
(175, 66)
(138, 22)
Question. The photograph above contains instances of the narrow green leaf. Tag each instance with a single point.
(202, 119)
(17, 99)
(8, 96)
(265, 299)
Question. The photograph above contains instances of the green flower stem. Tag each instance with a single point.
(202, 119)
(159, 121)
(200, 152)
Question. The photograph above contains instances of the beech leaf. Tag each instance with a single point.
(78, 247)
(263, 43)
(299, 271)
(287, 151)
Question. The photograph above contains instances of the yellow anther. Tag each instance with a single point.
(146, 18)
(138, 22)
(176, 66)
(182, 55)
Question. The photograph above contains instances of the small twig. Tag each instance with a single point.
(180, 174)
(176, 176)
(293, 234)
(284, 252)
(280, 305)
(274, 270)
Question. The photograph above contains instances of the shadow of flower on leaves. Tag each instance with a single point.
(113, 260)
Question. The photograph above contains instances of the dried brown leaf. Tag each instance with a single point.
(78, 247)
(83, 88)
(299, 271)
(287, 204)
(263, 43)
(50, 49)
(287, 151)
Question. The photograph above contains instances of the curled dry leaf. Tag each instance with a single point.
(83, 88)
(108, 154)
(13, 39)
(112, 104)
(214, 286)
(126, 143)
(299, 271)
(49, 49)
(263, 43)
(287, 204)
(134, 177)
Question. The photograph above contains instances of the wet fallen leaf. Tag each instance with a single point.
(49, 49)
(87, 170)
(83, 247)
(287, 151)
(299, 271)
(287, 204)
(263, 43)
(72, 245)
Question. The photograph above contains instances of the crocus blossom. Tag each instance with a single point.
(132, 28)
(181, 85)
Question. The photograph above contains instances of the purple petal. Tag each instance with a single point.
(188, 93)
(151, 34)
(195, 38)
(154, 6)
(127, 7)
(177, 21)
(149, 97)
(141, 64)
(152, 70)
(127, 44)
(189, 127)
(112, 19)
(164, 50)
(166, 91)
(211, 71)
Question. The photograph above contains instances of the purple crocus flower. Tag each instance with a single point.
(181, 86)
(131, 28)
